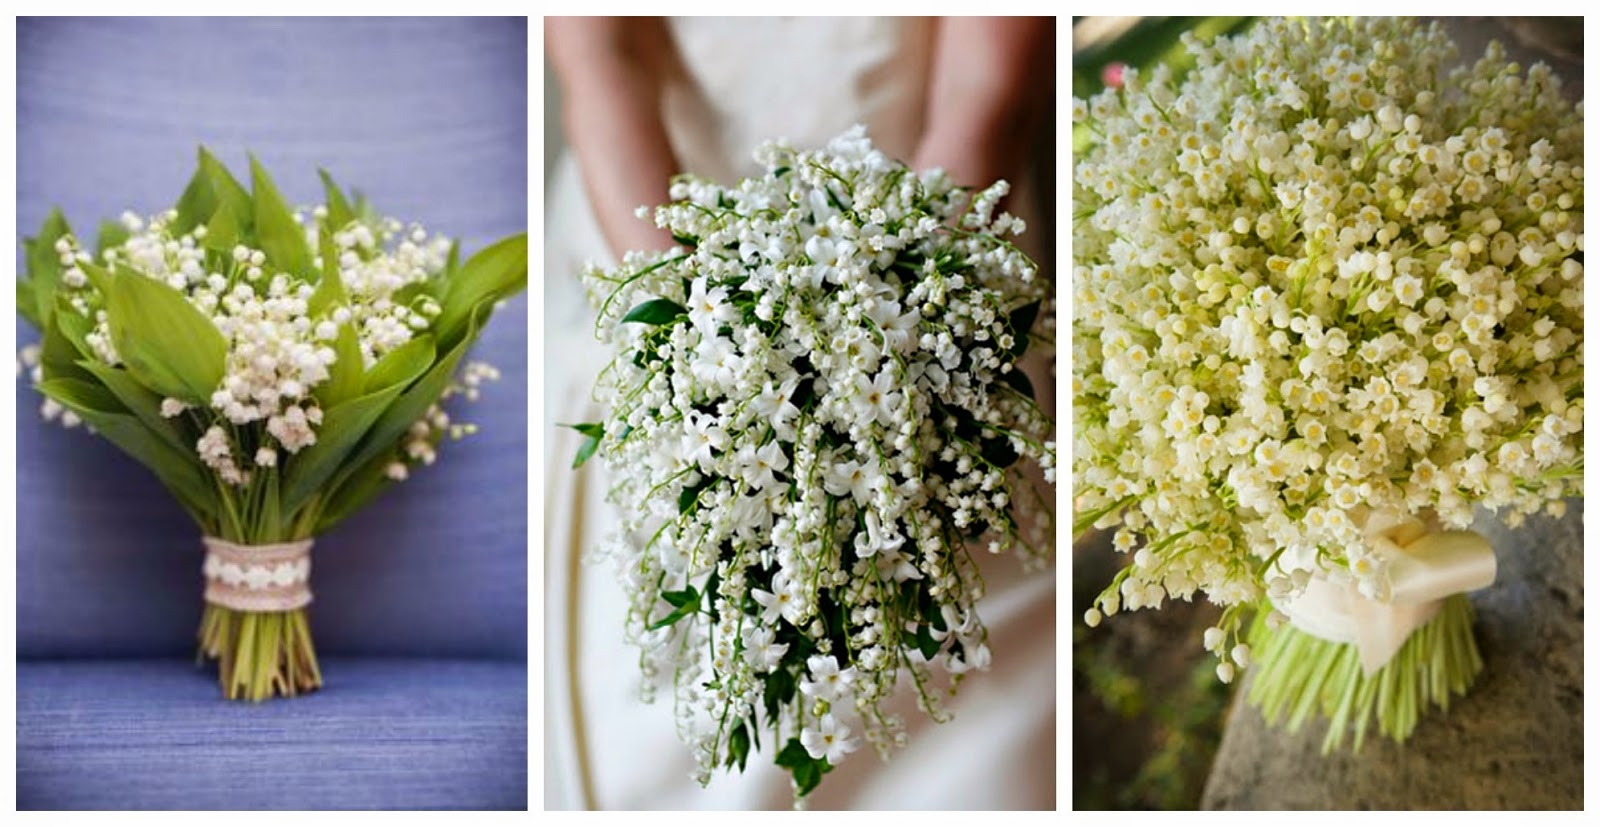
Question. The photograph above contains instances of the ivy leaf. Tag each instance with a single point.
(656, 312)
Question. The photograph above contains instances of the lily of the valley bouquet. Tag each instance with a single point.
(1327, 301)
(814, 417)
(276, 370)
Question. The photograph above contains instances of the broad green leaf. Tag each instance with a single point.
(44, 264)
(267, 526)
(166, 342)
(59, 355)
(655, 312)
(112, 234)
(227, 191)
(196, 204)
(400, 366)
(339, 210)
(344, 425)
(141, 401)
(330, 289)
(81, 396)
(675, 615)
(359, 487)
(495, 272)
(98, 276)
(27, 305)
(277, 233)
(223, 233)
(738, 746)
(75, 327)
(179, 471)
(679, 599)
(306, 472)
(346, 375)
(413, 403)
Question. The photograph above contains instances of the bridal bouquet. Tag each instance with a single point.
(1327, 300)
(275, 369)
(812, 412)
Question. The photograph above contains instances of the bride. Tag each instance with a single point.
(644, 100)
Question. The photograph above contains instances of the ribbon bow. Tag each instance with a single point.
(1425, 566)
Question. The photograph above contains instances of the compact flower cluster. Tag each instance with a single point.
(276, 368)
(1321, 278)
(812, 412)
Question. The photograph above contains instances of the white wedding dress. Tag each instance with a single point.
(806, 79)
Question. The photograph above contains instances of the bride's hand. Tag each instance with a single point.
(992, 78)
(612, 73)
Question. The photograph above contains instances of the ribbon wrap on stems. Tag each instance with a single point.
(265, 578)
(1425, 565)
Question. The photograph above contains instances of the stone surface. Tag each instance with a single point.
(1514, 742)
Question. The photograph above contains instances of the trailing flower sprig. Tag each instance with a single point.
(1321, 277)
(816, 405)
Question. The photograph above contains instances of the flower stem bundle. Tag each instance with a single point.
(276, 369)
(815, 411)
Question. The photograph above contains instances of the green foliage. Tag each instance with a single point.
(656, 312)
(169, 348)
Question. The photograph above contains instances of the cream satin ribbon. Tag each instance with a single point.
(1425, 567)
(265, 578)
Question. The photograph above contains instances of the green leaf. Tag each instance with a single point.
(223, 233)
(1019, 380)
(98, 276)
(330, 290)
(141, 401)
(494, 273)
(656, 312)
(277, 233)
(593, 435)
(925, 642)
(414, 402)
(691, 495)
(27, 305)
(166, 342)
(112, 234)
(59, 355)
(179, 471)
(680, 599)
(339, 211)
(358, 488)
(347, 374)
(343, 426)
(738, 746)
(779, 690)
(399, 367)
(44, 264)
(1022, 320)
(226, 191)
(676, 615)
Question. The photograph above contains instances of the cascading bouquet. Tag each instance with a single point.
(275, 369)
(1328, 299)
(810, 415)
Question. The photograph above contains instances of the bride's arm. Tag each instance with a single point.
(990, 83)
(611, 72)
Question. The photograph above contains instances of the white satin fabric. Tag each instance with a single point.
(806, 79)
